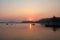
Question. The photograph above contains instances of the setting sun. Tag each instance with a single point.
(30, 18)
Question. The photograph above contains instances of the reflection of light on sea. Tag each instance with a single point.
(30, 25)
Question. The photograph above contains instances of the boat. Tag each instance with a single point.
(33, 24)
(6, 23)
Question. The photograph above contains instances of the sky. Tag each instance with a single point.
(20, 10)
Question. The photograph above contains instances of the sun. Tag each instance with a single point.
(30, 19)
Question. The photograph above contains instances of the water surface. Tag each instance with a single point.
(27, 32)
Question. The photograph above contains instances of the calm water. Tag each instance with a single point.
(27, 32)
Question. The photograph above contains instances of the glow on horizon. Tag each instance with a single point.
(30, 18)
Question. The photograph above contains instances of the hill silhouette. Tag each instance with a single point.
(49, 20)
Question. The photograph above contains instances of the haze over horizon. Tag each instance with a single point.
(20, 10)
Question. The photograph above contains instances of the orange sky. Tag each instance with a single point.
(28, 9)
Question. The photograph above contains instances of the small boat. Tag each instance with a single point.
(11, 24)
(33, 24)
(6, 23)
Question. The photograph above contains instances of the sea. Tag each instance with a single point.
(27, 31)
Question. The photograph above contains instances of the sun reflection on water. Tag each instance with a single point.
(30, 25)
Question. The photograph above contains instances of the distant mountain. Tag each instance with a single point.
(27, 22)
(10, 22)
(46, 20)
